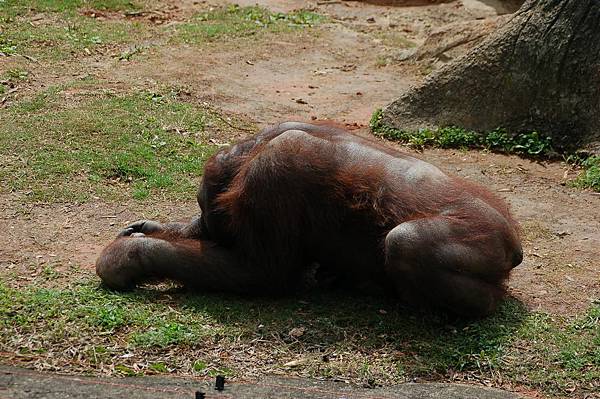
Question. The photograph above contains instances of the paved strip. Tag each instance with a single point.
(17, 383)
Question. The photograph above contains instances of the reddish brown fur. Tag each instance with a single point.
(296, 194)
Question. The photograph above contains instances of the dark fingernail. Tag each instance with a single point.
(126, 232)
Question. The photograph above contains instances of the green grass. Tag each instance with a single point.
(70, 35)
(590, 177)
(63, 32)
(394, 39)
(15, 75)
(103, 145)
(533, 144)
(345, 337)
(60, 31)
(235, 22)
(7, 47)
(13, 8)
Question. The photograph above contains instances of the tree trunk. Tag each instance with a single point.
(538, 72)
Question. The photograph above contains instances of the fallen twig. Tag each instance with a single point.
(28, 57)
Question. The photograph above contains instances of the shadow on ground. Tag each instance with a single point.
(323, 325)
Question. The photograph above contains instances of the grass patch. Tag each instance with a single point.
(13, 8)
(235, 21)
(65, 36)
(533, 144)
(382, 61)
(62, 32)
(103, 146)
(16, 75)
(59, 31)
(7, 47)
(173, 330)
(395, 40)
(590, 177)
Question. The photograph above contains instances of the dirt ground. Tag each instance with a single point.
(337, 74)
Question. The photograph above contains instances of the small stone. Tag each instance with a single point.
(297, 332)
